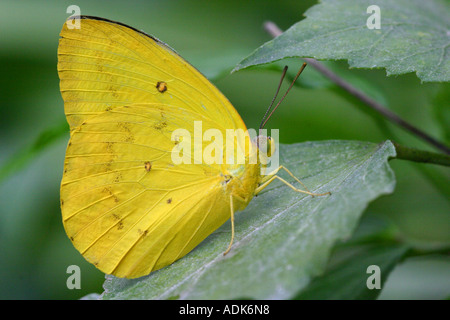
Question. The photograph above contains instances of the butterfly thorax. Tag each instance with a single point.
(241, 180)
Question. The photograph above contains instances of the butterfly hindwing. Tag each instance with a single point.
(125, 206)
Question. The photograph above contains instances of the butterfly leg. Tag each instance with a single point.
(272, 176)
(232, 225)
(245, 200)
(296, 179)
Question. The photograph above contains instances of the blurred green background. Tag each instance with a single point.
(214, 36)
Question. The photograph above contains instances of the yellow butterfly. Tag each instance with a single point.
(125, 205)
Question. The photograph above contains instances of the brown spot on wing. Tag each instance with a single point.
(117, 179)
(160, 125)
(116, 216)
(161, 86)
(108, 190)
(142, 233)
(109, 147)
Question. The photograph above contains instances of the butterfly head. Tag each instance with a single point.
(266, 148)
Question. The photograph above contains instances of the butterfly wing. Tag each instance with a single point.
(126, 207)
(105, 64)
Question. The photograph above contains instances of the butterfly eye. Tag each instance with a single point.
(271, 146)
(266, 147)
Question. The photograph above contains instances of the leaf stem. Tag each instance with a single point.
(274, 31)
(407, 153)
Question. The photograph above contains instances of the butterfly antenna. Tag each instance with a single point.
(276, 94)
(263, 123)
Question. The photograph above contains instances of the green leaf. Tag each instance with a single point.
(283, 238)
(348, 279)
(346, 276)
(413, 37)
(440, 107)
(424, 277)
(27, 153)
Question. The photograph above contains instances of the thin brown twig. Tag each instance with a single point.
(274, 31)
